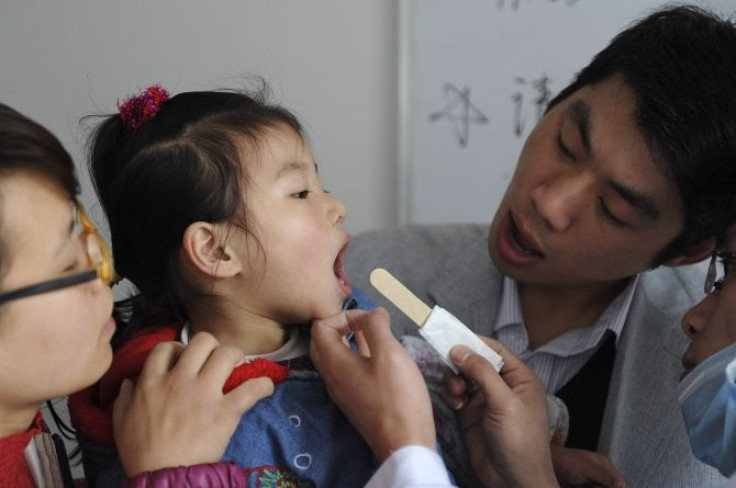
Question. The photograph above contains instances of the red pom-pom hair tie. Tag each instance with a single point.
(138, 109)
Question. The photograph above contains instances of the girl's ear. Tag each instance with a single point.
(203, 248)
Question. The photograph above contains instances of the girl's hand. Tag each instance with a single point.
(379, 388)
(177, 414)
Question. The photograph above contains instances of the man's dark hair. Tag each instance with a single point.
(681, 64)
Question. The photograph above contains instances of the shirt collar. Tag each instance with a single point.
(575, 341)
(296, 346)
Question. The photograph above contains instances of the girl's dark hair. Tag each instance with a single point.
(182, 166)
(27, 146)
(681, 64)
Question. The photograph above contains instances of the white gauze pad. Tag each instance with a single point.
(440, 328)
(444, 331)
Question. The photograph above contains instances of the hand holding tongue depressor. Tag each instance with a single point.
(439, 327)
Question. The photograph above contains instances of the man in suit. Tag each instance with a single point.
(628, 178)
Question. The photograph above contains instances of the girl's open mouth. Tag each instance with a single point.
(339, 269)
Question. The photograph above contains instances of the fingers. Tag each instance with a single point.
(326, 347)
(343, 322)
(189, 360)
(455, 402)
(508, 357)
(351, 320)
(362, 345)
(122, 402)
(249, 393)
(605, 473)
(455, 390)
(196, 354)
(480, 371)
(161, 359)
(579, 467)
(219, 365)
(514, 373)
(376, 327)
(456, 385)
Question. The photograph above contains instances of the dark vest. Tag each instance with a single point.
(585, 396)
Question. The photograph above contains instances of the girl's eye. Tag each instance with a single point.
(301, 195)
(610, 216)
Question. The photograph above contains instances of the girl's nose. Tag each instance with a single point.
(337, 209)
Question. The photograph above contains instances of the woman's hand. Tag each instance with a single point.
(177, 415)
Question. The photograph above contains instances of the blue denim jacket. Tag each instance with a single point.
(298, 437)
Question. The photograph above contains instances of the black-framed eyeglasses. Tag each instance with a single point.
(720, 264)
(98, 257)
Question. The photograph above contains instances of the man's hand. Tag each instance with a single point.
(503, 418)
(379, 388)
(578, 467)
(177, 414)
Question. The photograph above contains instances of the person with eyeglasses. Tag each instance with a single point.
(626, 180)
(55, 331)
(98, 261)
(504, 415)
(707, 390)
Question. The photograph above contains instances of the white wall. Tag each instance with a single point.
(333, 62)
(493, 52)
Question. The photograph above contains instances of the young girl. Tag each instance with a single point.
(56, 326)
(219, 219)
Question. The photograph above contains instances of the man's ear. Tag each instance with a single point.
(203, 247)
(694, 254)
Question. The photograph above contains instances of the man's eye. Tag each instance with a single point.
(563, 148)
(610, 216)
(301, 195)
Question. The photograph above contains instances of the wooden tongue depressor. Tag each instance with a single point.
(439, 327)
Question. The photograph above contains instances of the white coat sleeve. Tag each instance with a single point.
(411, 467)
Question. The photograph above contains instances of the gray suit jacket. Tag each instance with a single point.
(643, 432)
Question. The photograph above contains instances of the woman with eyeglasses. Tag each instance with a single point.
(55, 331)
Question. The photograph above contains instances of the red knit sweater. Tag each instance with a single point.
(13, 468)
(91, 409)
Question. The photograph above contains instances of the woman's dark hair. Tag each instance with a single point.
(681, 64)
(27, 146)
(182, 166)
